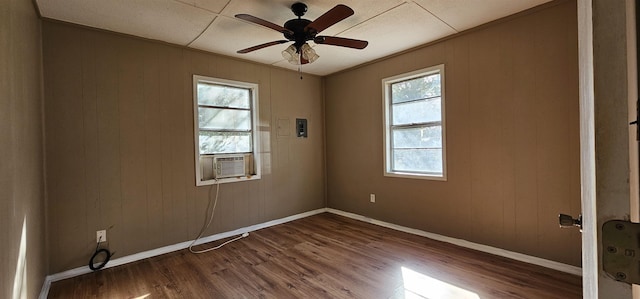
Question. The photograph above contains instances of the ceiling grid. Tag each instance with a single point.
(390, 26)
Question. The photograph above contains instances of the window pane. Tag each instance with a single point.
(425, 137)
(224, 119)
(416, 112)
(223, 96)
(417, 160)
(414, 89)
(224, 142)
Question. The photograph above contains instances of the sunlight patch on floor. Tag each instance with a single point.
(143, 296)
(420, 286)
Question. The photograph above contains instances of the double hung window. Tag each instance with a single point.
(225, 125)
(414, 124)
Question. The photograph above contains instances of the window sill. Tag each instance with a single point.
(229, 180)
(408, 175)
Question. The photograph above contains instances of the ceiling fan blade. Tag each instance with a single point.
(334, 15)
(341, 41)
(264, 23)
(258, 47)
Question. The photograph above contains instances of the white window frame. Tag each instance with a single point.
(386, 110)
(254, 129)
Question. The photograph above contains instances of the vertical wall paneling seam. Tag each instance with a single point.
(99, 199)
(514, 230)
(537, 147)
(161, 149)
(467, 94)
(504, 148)
(189, 159)
(85, 199)
(55, 246)
(162, 155)
(472, 198)
(323, 99)
(146, 147)
(45, 192)
(117, 101)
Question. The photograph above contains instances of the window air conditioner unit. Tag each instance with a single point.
(229, 166)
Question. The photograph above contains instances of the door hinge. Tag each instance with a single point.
(621, 250)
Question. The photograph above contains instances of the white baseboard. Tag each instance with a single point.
(171, 248)
(167, 249)
(463, 243)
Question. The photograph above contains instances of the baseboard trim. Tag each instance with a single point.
(167, 249)
(171, 248)
(463, 243)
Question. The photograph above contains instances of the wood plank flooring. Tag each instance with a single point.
(325, 256)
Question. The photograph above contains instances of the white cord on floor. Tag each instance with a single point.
(204, 227)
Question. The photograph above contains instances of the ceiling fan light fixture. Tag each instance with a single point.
(291, 55)
(300, 30)
(309, 53)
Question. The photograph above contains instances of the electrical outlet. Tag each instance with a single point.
(101, 236)
(372, 197)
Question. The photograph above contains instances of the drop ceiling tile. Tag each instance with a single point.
(465, 14)
(275, 11)
(390, 26)
(212, 5)
(215, 6)
(228, 35)
(399, 29)
(279, 11)
(190, 2)
(363, 11)
(165, 20)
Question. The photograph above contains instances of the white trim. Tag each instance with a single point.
(171, 248)
(255, 112)
(44, 293)
(463, 243)
(386, 97)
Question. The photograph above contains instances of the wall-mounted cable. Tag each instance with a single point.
(208, 223)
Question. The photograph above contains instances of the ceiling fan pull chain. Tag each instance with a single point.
(300, 72)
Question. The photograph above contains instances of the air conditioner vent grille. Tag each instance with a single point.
(229, 166)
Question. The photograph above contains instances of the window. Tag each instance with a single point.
(414, 124)
(225, 130)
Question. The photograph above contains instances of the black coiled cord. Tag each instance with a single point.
(95, 254)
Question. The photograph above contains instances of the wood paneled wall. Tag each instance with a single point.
(512, 138)
(119, 144)
(21, 153)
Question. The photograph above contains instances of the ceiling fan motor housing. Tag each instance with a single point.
(299, 35)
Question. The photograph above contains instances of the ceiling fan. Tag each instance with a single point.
(300, 30)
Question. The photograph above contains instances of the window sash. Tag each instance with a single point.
(393, 148)
(205, 98)
(243, 139)
(415, 155)
(200, 106)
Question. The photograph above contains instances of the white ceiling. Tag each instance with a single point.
(390, 26)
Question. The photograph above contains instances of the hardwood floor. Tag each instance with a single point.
(325, 256)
